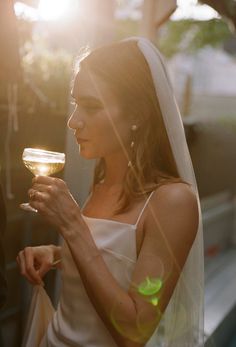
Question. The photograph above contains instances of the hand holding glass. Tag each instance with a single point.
(41, 163)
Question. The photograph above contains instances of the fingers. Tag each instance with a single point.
(42, 192)
(44, 268)
(57, 264)
(25, 260)
(30, 265)
(47, 180)
(43, 180)
(40, 187)
(36, 195)
(41, 195)
(31, 194)
(38, 200)
(49, 186)
(35, 262)
(35, 199)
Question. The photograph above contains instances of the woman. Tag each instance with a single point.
(129, 254)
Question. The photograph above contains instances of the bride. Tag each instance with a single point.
(131, 258)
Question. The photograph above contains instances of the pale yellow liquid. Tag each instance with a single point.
(44, 167)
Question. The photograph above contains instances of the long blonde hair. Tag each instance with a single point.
(125, 69)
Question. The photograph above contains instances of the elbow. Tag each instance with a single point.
(135, 331)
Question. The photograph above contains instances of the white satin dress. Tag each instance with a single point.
(76, 322)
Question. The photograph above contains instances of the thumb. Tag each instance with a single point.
(44, 268)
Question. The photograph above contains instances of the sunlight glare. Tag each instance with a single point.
(191, 9)
(55, 9)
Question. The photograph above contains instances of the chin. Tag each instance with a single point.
(87, 154)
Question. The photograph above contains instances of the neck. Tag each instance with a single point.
(116, 168)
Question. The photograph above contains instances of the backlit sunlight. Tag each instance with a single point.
(56, 9)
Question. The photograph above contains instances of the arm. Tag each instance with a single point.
(170, 229)
(171, 219)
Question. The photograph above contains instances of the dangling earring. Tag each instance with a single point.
(133, 130)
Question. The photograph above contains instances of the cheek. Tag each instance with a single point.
(109, 132)
(116, 131)
(122, 132)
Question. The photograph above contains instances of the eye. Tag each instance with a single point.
(90, 107)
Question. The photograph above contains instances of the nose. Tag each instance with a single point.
(75, 122)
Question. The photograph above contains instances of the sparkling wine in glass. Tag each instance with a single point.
(41, 163)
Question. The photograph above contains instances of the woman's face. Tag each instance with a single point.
(101, 129)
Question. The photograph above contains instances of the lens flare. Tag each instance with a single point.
(150, 286)
(138, 332)
(154, 300)
(55, 9)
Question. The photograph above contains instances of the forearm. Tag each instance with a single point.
(113, 304)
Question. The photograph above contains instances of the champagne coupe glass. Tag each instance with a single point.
(41, 163)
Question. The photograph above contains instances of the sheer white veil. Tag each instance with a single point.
(182, 324)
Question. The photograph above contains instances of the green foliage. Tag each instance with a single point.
(190, 35)
(184, 35)
(50, 71)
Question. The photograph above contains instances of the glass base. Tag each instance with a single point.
(26, 206)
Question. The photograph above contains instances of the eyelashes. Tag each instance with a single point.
(88, 107)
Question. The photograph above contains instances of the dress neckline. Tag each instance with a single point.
(134, 226)
(109, 220)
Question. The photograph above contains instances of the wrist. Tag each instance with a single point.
(73, 228)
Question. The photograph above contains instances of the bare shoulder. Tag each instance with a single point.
(174, 198)
(174, 191)
(173, 208)
(174, 194)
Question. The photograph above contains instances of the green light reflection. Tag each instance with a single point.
(154, 301)
(150, 286)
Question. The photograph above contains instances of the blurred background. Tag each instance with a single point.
(40, 41)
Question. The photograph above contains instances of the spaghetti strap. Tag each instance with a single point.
(146, 203)
(86, 200)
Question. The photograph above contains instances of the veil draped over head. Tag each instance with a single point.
(182, 324)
